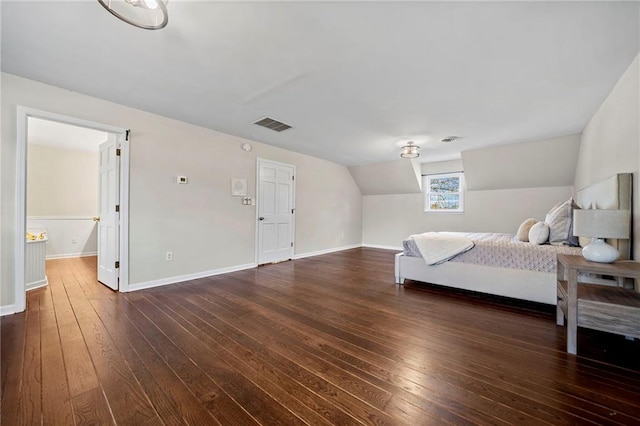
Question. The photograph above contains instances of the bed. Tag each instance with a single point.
(492, 266)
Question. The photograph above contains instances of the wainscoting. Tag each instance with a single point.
(69, 236)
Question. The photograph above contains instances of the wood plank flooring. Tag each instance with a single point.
(327, 340)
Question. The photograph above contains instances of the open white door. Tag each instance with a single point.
(108, 221)
(275, 211)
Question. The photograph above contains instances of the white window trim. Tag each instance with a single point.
(426, 193)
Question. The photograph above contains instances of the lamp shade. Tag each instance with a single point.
(601, 223)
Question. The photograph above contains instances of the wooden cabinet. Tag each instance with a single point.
(613, 309)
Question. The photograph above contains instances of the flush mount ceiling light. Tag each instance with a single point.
(410, 150)
(146, 14)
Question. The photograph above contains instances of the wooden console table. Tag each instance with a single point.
(600, 307)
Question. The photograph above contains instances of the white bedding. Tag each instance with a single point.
(504, 251)
(438, 247)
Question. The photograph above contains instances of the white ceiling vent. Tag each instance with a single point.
(272, 124)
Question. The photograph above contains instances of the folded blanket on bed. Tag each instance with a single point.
(438, 247)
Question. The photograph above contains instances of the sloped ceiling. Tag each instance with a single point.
(354, 79)
(538, 164)
(392, 177)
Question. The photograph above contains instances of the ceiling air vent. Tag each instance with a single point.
(272, 124)
(449, 139)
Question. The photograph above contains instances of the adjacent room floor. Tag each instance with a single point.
(324, 340)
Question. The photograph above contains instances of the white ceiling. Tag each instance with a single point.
(51, 133)
(355, 79)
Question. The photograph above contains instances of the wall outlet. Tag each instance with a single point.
(169, 255)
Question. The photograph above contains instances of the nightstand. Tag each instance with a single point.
(600, 307)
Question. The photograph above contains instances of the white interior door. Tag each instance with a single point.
(275, 211)
(108, 223)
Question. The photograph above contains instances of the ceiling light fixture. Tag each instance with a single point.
(410, 150)
(146, 14)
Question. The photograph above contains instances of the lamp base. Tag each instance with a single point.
(600, 251)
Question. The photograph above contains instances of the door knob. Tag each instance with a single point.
(261, 218)
(96, 219)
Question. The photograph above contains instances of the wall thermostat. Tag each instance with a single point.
(182, 179)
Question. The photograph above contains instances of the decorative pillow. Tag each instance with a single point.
(559, 221)
(571, 239)
(523, 230)
(539, 233)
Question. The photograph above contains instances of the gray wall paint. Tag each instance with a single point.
(388, 219)
(536, 164)
(61, 181)
(200, 222)
(611, 141)
(391, 177)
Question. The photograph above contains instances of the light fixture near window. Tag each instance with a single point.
(146, 14)
(410, 150)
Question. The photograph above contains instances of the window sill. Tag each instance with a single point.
(444, 212)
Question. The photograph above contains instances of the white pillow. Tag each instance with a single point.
(525, 227)
(559, 221)
(539, 233)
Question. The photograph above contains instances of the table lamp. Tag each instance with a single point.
(601, 224)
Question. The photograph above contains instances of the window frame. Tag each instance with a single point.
(426, 186)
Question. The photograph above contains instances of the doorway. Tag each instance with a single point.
(118, 192)
(276, 211)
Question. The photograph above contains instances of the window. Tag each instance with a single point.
(443, 193)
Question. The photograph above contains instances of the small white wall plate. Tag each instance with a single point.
(238, 187)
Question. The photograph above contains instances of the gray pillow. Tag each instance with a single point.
(572, 240)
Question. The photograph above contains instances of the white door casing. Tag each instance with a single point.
(276, 207)
(23, 114)
(108, 224)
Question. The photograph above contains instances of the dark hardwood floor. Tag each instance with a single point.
(323, 340)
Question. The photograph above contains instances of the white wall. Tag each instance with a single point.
(535, 164)
(200, 222)
(62, 198)
(68, 236)
(611, 141)
(389, 219)
(61, 182)
(391, 177)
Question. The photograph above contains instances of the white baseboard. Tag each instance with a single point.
(70, 255)
(327, 251)
(204, 274)
(382, 247)
(7, 310)
(188, 277)
(37, 284)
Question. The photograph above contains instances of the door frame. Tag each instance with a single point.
(23, 114)
(259, 161)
